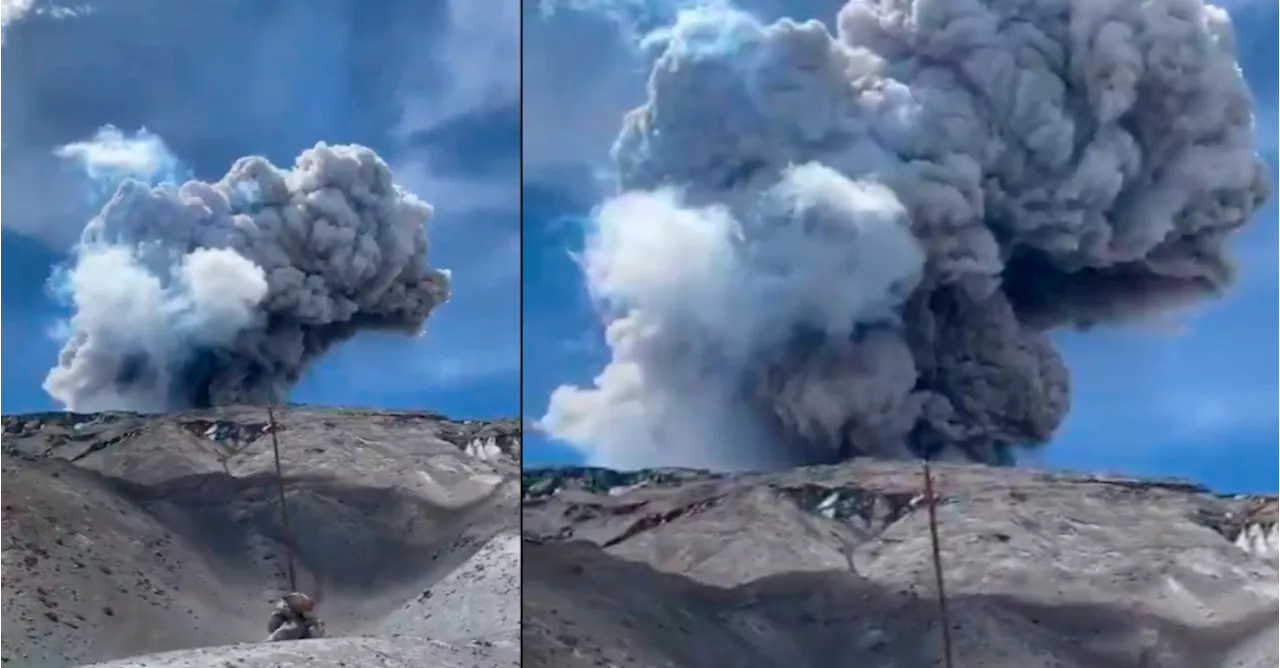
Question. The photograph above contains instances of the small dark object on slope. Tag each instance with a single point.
(293, 619)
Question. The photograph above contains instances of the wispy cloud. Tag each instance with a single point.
(480, 56)
(471, 365)
(475, 69)
(12, 10)
(111, 154)
(1210, 412)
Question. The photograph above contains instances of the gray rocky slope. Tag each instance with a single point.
(831, 566)
(129, 535)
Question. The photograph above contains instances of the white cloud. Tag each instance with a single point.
(12, 10)
(110, 154)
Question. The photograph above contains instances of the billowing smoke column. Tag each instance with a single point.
(826, 247)
(217, 293)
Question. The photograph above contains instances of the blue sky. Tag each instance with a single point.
(1198, 401)
(432, 85)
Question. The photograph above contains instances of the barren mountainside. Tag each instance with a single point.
(687, 569)
(126, 535)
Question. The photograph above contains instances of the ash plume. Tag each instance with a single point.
(215, 293)
(834, 245)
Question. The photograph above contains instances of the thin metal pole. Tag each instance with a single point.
(937, 566)
(284, 513)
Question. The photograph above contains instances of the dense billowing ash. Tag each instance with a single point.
(826, 246)
(215, 293)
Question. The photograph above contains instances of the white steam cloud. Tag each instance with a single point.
(826, 246)
(112, 155)
(226, 292)
(12, 10)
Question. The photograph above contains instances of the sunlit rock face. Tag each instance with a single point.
(1259, 540)
(1260, 529)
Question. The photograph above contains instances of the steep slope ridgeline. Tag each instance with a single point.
(691, 569)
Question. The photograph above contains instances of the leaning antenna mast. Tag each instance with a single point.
(930, 504)
(284, 513)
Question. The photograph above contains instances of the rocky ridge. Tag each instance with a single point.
(688, 568)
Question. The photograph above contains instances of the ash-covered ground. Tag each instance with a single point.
(128, 535)
(823, 565)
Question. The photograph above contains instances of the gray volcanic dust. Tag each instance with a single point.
(210, 294)
(858, 243)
